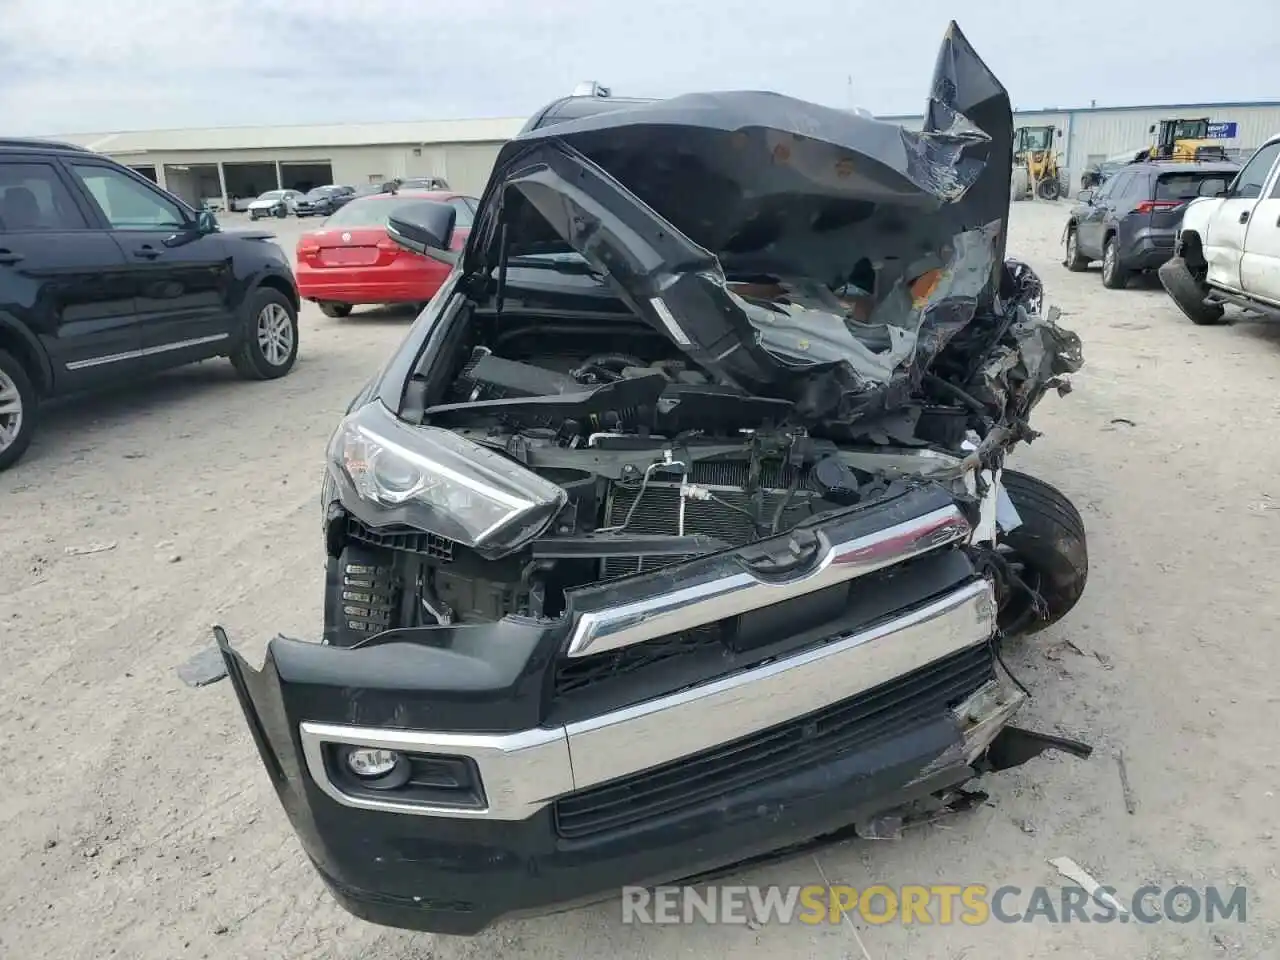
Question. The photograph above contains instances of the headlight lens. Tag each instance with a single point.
(435, 481)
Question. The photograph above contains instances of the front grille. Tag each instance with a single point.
(659, 509)
(577, 673)
(401, 538)
(858, 723)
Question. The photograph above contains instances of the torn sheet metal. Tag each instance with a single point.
(669, 200)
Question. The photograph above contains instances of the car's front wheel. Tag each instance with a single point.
(332, 309)
(270, 346)
(17, 410)
(1074, 260)
(253, 214)
(1047, 552)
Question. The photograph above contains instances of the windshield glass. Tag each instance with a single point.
(271, 195)
(319, 192)
(1187, 186)
(1036, 138)
(1190, 129)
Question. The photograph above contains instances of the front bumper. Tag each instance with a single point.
(568, 801)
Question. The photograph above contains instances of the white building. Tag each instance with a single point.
(227, 162)
(1092, 134)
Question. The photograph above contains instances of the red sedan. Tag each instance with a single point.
(351, 260)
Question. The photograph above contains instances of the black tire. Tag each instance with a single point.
(1049, 549)
(15, 380)
(336, 310)
(253, 214)
(281, 213)
(270, 346)
(1073, 259)
(1115, 276)
(1049, 189)
(1189, 293)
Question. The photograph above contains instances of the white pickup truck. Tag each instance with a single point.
(1228, 250)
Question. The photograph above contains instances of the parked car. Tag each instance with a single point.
(621, 588)
(274, 203)
(322, 201)
(1097, 174)
(423, 183)
(1130, 223)
(105, 277)
(1228, 250)
(350, 260)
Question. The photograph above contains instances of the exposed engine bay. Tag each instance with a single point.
(694, 324)
(656, 462)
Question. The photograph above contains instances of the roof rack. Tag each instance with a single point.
(35, 144)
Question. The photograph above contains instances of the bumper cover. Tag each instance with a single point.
(563, 806)
(457, 871)
(1149, 249)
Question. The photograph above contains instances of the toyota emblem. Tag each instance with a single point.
(346, 238)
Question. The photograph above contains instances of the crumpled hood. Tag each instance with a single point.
(791, 250)
(771, 184)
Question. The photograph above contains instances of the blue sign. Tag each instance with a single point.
(1226, 130)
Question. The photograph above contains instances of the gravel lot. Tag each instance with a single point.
(143, 825)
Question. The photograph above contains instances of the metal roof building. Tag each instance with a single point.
(1092, 134)
(222, 164)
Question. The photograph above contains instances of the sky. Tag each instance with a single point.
(80, 66)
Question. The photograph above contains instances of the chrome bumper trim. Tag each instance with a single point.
(741, 592)
(523, 772)
(520, 772)
(648, 734)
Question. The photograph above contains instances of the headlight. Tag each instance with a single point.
(392, 472)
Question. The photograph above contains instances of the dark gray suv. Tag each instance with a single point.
(1130, 222)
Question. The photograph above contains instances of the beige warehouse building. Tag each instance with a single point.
(228, 163)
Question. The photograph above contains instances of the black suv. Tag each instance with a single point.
(104, 277)
(642, 564)
(1131, 221)
(322, 201)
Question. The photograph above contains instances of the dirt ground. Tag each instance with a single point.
(143, 825)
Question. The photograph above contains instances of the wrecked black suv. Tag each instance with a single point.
(678, 533)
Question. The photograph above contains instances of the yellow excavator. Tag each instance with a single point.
(1183, 138)
(1036, 163)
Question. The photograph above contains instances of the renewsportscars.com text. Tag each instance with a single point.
(921, 904)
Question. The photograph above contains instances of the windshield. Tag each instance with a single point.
(319, 192)
(1190, 129)
(1036, 138)
(1188, 186)
(271, 195)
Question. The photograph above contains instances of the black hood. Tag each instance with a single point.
(675, 203)
(771, 184)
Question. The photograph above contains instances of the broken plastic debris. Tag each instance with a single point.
(1073, 871)
(88, 548)
(204, 668)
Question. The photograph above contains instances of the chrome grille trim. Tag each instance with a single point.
(743, 591)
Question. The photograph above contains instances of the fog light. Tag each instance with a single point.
(367, 763)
